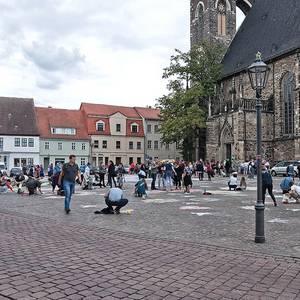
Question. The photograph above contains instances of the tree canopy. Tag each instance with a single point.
(192, 78)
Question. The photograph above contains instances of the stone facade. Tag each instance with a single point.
(231, 128)
(204, 19)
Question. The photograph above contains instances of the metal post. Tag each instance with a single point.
(259, 207)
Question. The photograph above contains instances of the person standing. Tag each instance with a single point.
(209, 170)
(169, 171)
(111, 173)
(267, 184)
(154, 171)
(102, 172)
(200, 168)
(69, 173)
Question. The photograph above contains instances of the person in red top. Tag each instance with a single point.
(209, 170)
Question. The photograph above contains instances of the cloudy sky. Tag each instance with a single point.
(63, 52)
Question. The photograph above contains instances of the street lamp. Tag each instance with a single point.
(258, 74)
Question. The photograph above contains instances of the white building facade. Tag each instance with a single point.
(19, 151)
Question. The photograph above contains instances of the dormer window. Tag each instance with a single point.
(65, 131)
(134, 128)
(100, 126)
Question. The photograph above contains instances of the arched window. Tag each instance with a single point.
(221, 11)
(288, 97)
(199, 18)
(100, 126)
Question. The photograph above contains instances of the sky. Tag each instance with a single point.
(62, 53)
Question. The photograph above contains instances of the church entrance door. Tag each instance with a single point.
(228, 151)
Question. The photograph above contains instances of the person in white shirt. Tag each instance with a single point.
(233, 182)
(295, 193)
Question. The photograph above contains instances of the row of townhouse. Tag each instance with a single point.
(95, 133)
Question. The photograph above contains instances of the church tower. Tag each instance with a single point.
(213, 20)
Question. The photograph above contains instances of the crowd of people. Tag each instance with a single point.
(165, 175)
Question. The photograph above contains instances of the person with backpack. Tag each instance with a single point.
(267, 184)
(285, 186)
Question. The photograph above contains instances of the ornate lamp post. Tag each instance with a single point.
(258, 74)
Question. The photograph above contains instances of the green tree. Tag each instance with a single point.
(192, 77)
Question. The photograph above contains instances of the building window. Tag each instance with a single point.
(17, 142)
(47, 145)
(167, 146)
(1, 144)
(139, 160)
(83, 146)
(24, 142)
(65, 131)
(221, 8)
(118, 145)
(149, 128)
(134, 128)
(31, 142)
(100, 160)
(16, 162)
(104, 144)
(156, 129)
(96, 144)
(155, 145)
(118, 127)
(138, 145)
(59, 146)
(149, 144)
(82, 161)
(288, 94)
(130, 145)
(130, 160)
(73, 146)
(100, 126)
(30, 161)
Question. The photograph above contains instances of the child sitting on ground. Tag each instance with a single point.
(141, 187)
(233, 182)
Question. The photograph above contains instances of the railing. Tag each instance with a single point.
(242, 105)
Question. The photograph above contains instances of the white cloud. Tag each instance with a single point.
(64, 52)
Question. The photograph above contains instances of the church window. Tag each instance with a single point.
(288, 103)
(221, 9)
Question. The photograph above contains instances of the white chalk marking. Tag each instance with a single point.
(278, 220)
(201, 214)
(194, 208)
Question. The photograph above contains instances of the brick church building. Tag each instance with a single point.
(273, 28)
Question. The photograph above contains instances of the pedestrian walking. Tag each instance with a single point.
(69, 173)
(267, 185)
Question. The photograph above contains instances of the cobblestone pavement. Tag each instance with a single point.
(172, 246)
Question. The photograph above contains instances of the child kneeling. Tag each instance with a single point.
(141, 187)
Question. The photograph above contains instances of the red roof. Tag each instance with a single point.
(140, 132)
(61, 118)
(108, 110)
(92, 128)
(101, 112)
(148, 113)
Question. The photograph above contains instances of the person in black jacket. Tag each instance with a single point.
(111, 174)
(267, 184)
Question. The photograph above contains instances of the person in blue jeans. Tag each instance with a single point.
(68, 175)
